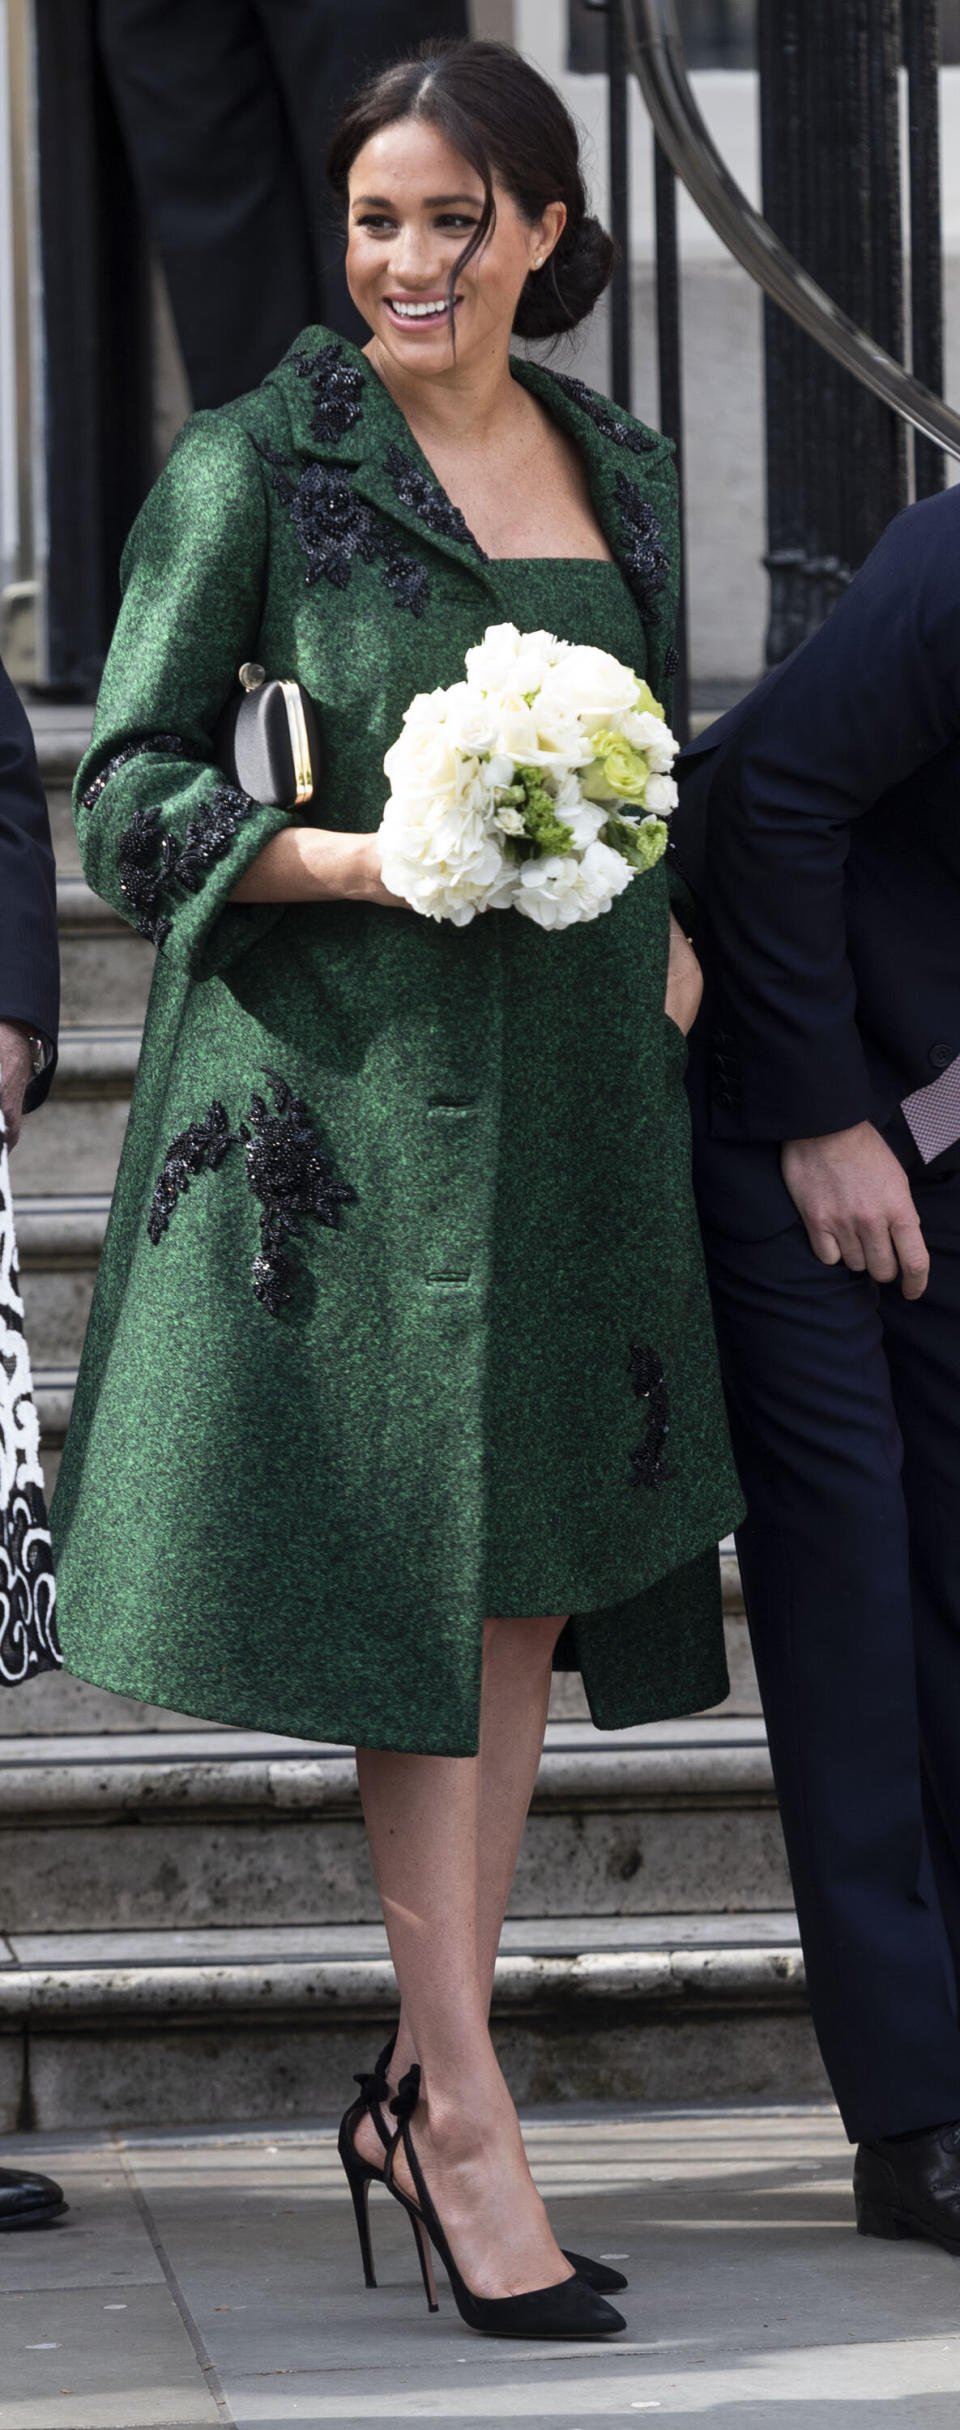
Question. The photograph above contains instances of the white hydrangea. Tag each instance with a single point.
(561, 889)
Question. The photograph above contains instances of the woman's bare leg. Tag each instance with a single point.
(439, 1827)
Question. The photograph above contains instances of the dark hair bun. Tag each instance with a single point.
(566, 289)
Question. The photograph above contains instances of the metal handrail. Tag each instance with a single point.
(654, 51)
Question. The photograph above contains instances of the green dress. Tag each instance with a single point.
(401, 1318)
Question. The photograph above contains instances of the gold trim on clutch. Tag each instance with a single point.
(299, 743)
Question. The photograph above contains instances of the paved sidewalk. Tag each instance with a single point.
(214, 2280)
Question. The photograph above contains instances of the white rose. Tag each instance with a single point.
(427, 709)
(510, 822)
(491, 662)
(660, 795)
(423, 762)
(516, 729)
(507, 660)
(473, 728)
(591, 685)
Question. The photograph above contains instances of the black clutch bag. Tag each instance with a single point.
(267, 740)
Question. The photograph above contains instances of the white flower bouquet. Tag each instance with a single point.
(539, 785)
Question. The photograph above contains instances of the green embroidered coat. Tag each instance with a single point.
(401, 1317)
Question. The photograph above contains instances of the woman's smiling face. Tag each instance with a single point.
(414, 204)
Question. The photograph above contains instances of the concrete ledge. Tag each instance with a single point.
(97, 1062)
(200, 2073)
(91, 1997)
(61, 1232)
(79, 908)
(713, 1763)
(53, 1389)
(61, 732)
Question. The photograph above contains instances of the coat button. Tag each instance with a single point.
(941, 1056)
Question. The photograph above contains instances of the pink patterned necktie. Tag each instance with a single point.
(933, 1113)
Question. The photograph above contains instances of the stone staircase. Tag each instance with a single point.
(188, 1924)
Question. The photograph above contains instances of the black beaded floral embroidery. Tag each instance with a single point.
(168, 743)
(671, 660)
(337, 390)
(198, 1149)
(155, 863)
(288, 1171)
(623, 434)
(138, 854)
(647, 562)
(208, 836)
(334, 525)
(429, 501)
(291, 1176)
(649, 1383)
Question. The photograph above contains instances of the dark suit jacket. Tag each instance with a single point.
(29, 961)
(819, 828)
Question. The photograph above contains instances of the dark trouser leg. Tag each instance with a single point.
(211, 152)
(825, 1559)
(923, 1349)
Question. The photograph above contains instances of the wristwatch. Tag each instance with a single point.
(39, 1052)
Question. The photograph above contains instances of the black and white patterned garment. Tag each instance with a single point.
(28, 1633)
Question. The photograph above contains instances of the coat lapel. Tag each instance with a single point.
(341, 414)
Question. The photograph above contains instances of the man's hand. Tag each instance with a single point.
(684, 979)
(16, 1072)
(857, 1205)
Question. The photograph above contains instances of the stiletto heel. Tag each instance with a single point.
(568, 2309)
(360, 2173)
(426, 2257)
(359, 2179)
(375, 2093)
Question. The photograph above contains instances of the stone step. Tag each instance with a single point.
(61, 734)
(192, 2027)
(59, 1242)
(106, 968)
(239, 1829)
(72, 1145)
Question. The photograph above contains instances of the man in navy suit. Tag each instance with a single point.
(29, 1012)
(819, 826)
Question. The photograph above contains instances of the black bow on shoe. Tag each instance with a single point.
(406, 2097)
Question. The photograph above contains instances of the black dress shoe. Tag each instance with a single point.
(910, 2186)
(28, 2201)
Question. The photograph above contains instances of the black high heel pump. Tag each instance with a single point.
(568, 2309)
(375, 2094)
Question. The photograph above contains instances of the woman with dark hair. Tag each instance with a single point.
(471, 1409)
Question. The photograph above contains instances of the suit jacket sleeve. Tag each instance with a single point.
(864, 704)
(29, 961)
(163, 836)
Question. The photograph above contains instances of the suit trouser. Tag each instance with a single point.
(845, 1413)
(227, 108)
